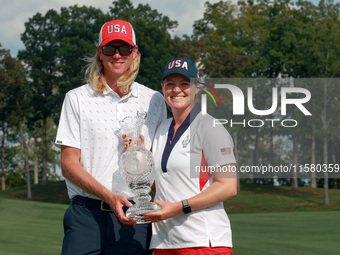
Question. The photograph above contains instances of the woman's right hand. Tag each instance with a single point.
(168, 210)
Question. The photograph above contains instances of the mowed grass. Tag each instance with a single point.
(298, 233)
(32, 228)
(265, 220)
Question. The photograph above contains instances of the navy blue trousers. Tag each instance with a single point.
(92, 231)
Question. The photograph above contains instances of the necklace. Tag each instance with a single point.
(173, 137)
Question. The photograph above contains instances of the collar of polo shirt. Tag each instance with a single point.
(133, 92)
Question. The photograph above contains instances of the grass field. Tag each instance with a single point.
(265, 220)
(298, 233)
(32, 228)
(270, 199)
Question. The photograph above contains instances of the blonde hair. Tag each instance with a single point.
(95, 69)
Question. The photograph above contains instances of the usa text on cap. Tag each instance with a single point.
(117, 30)
(183, 66)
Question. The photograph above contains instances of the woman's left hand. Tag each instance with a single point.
(168, 210)
(128, 141)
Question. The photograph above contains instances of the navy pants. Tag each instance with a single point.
(92, 231)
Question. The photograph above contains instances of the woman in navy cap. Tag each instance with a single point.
(195, 166)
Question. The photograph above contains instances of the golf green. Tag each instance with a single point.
(34, 228)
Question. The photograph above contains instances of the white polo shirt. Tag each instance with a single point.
(195, 145)
(89, 121)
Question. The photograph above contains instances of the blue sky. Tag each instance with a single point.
(14, 13)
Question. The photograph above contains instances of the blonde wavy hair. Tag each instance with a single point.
(95, 69)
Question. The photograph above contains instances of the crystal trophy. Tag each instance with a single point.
(138, 169)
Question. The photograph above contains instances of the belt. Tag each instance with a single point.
(91, 203)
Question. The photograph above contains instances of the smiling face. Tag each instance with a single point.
(179, 93)
(116, 65)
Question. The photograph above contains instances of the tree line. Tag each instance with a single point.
(276, 40)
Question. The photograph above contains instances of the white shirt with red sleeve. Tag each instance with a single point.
(198, 145)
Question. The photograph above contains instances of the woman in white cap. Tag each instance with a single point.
(91, 147)
(195, 166)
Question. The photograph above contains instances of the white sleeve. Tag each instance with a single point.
(163, 114)
(69, 124)
(218, 146)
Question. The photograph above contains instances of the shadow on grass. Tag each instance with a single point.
(53, 192)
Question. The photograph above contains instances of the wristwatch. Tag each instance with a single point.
(186, 206)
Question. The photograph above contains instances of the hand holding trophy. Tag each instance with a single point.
(138, 169)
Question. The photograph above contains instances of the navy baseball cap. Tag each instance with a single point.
(183, 66)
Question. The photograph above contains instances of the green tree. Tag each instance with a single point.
(220, 51)
(271, 39)
(326, 59)
(14, 107)
(54, 47)
(153, 38)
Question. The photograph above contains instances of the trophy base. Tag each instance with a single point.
(137, 211)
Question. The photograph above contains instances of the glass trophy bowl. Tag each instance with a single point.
(137, 167)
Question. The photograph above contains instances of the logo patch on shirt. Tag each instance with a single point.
(186, 141)
(59, 142)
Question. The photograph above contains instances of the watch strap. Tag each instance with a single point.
(186, 206)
